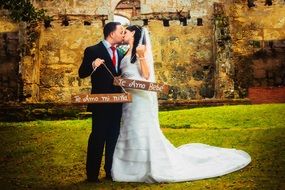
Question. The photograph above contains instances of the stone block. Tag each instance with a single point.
(259, 73)
(52, 77)
(39, 111)
(26, 69)
(270, 34)
(54, 94)
(6, 25)
(68, 56)
(50, 57)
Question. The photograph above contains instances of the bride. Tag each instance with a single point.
(142, 153)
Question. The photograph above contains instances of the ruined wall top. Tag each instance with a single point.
(106, 7)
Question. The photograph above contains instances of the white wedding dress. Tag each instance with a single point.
(143, 154)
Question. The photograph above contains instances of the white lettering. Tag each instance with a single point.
(132, 84)
(140, 85)
(122, 82)
(90, 99)
(105, 98)
(155, 87)
(115, 98)
(136, 84)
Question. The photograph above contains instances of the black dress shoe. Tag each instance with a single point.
(93, 180)
(108, 177)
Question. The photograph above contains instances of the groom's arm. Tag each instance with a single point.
(85, 68)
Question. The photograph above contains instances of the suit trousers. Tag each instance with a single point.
(105, 131)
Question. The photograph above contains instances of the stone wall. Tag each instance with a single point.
(258, 44)
(224, 70)
(183, 54)
(9, 61)
(61, 50)
(221, 58)
(183, 58)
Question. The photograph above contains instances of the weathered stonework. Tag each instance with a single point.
(221, 58)
(258, 44)
(9, 60)
(61, 52)
(224, 69)
(182, 57)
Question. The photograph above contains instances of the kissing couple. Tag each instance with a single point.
(136, 150)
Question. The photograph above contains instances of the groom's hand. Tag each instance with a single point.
(97, 62)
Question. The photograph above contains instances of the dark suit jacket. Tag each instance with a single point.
(101, 79)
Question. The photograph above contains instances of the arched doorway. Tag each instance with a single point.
(123, 20)
(127, 10)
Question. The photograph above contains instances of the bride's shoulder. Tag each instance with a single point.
(126, 57)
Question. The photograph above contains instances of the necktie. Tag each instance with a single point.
(114, 56)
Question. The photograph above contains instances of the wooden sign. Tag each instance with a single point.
(142, 85)
(101, 98)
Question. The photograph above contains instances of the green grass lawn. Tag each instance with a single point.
(51, 154)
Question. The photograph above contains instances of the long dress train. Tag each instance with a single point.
(143, 154)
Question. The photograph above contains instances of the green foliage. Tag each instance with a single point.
(23, 10)
(52, 154)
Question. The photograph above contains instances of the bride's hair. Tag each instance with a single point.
(137, 39)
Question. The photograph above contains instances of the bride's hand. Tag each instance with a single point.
(140, 50)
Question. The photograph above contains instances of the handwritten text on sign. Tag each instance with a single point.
(101, 98)
(143, 85)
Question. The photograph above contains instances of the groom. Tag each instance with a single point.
(105, 117)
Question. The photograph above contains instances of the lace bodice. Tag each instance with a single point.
(130, 70)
